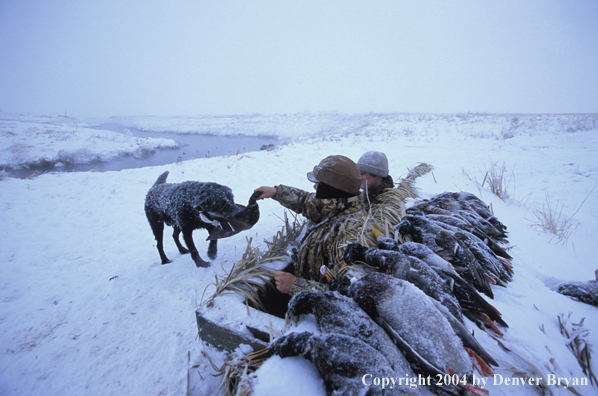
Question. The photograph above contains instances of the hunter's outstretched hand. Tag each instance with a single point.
(267, 192)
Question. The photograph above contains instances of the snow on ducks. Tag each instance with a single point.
(414, 322)
(472, 304)
(336, 313)
(343, 362)
(408, 268)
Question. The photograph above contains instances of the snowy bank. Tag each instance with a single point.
(28, 143)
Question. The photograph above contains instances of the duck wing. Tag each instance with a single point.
(464, 260)
(427, 255)
(411, 354)
(472, 304)
(411, 313)
(486, 257)
(454, 225)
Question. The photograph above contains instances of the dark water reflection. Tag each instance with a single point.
(191, 146)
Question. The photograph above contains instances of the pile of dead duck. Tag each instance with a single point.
(407, 317)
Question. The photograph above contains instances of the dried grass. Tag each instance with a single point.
(236, 372)
(248, 276)
(550, 219)
(285, 237)
(497, 179)
(407, 185)
(531, 371)
(578, 345)
(498, 182)
(384, 214)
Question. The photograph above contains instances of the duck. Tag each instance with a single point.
(415, 323)
(585, 292)
(444, 244)
(336, 313)
(484, 244)
(418, 250)
(498, 270)
(454, 224)
(465, 207)
(229, 223)
(343, 362)
(407, 268)
(472, 304)
(466, 202)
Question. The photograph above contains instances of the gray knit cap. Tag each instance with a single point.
(373, 162)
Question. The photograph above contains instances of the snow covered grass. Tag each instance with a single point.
(497, 179)
(374, 125)
(579, 344)
(86, 308)
(551, 219)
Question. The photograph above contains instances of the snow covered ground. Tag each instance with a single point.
(86, 308)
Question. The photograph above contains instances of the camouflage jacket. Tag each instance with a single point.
(323, 245)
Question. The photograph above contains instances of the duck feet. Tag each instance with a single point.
(213, 249)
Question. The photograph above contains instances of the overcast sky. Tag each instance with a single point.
(192, 57)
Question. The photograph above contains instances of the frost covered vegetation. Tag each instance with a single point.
(87, 308)
(375, 126)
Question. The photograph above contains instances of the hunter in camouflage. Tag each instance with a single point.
(338, 217)
(322, 248)
(335, 204)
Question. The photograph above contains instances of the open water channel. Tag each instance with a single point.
(191, 146)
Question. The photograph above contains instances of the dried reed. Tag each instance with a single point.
(578, 345)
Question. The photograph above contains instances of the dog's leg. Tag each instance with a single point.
(158, 230)
(188, 238)
(175, 236)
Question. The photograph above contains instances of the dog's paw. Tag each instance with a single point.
(202, 264)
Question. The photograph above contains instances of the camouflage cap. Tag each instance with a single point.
(339, 172)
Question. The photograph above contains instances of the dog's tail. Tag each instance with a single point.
(161, 179)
